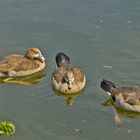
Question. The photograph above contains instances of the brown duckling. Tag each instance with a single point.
(67, 78)
(126, 97)
(22, 65)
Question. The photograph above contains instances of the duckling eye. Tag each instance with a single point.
(35, 52)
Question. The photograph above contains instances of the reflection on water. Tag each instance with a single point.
(69, 98)
(120, 111)
(25, 80)
(96, 33)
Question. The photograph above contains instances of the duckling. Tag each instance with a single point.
(67, 78)
(22, 65)
(127, 98)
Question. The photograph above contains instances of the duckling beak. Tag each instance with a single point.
(69, 86)
(41, 57)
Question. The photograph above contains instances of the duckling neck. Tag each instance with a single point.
(38, 61)
(28, 57)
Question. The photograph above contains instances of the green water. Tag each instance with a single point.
(101, 36)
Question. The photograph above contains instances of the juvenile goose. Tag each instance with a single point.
(22, 65)
(67, 78)
(126, 97)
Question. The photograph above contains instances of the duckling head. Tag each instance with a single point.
(34, 53)
(61, 58)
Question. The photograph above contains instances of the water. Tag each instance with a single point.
(101, 37)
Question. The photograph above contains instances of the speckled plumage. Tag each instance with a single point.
(126, 97)
(67, 78)
(22, 65)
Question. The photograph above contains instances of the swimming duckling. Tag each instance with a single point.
(67, 78)
(21, 65)
(126, 97)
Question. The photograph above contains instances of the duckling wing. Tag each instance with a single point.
(78, 74)
(132, 98)
(10, 62)
(26, 65)
(58, 74)
(17, 63)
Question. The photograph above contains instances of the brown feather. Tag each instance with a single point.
(23, 64)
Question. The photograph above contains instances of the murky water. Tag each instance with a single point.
(101, 37)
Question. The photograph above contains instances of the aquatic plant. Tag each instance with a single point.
(7, 128)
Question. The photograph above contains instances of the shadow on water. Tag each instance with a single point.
(25, 80)
(109, 103)
(69, 98)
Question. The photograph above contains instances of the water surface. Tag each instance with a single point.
(101, 37)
